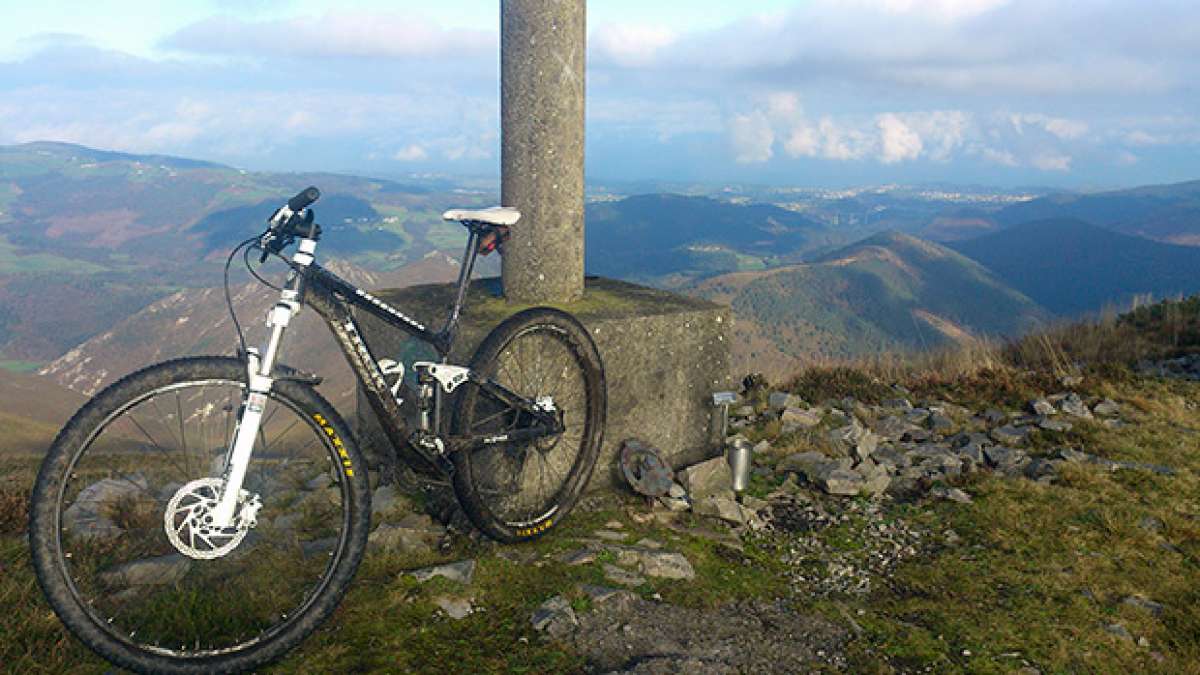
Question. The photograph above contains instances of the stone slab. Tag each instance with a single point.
(664, 355)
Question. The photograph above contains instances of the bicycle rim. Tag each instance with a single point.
(201, 595)
(522, 484)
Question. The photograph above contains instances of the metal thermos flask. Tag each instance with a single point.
(739, 455)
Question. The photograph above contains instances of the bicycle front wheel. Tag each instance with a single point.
(518, 491)
(125, 551)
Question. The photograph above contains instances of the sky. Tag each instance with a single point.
(823, 93)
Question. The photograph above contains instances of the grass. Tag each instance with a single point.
(17, 366)
(1025, 575)
(12, 262)
(1040, 571)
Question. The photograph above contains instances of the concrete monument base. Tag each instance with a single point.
(664, 355)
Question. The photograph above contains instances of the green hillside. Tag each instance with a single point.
(891, 291)
(648, 236)
(88, 237)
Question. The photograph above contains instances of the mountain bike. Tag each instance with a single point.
(207, 514)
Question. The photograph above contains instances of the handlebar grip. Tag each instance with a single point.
(302, 200)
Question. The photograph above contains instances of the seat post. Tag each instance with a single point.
(464, 280)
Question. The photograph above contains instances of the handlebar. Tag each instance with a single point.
(289, 221)
(304, 198)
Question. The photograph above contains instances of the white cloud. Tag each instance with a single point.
(411, 153)
(899, 141)
(341, 34)
(802, 142)
(943, 10)
(1141, 138)
(630, 45)
(752, 137)
(1066, 129)
(1000, 157)
(1051, 161)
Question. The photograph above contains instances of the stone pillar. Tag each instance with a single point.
(542, 54)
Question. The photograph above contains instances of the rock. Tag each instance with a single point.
(809, 463)
(779, 400)
(89, 515)
(892, 427)
(675, 504)
(916, 435)
(1119, 631)
(1073, 455)
(1009, 434)
(667, 565)
(1144, 604)
(651, 544)
(993, 416)
(462, 572)
(715, 506)
(800, 418)
(1004, 458)
(620, 576)
(875, 478)
(609, 535)
(1107, 408)
(555, 618)
(1151, 524)
(901, 404)
(1042, 470)
(387, 500)
(583, 556)
(676, 491)
(916, 416)
(320, 482)
(456, 608)
(1060, 426)
(841, 482)
(396, 539)
(1042, 407)
(1074, 406)
(950, 494)
(939, 423)
(707, 477)
(1071, 380)
(415, 533)
(890, 457)
(866, 446)
(972, 456)
(742, 412)
(762, 446)
(965, 439)
(158, 571)
(854, 440)
(604, 596)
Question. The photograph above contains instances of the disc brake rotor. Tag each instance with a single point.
(188, 522)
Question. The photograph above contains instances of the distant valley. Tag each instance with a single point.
(109, 261)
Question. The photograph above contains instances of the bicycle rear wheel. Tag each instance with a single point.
(518, 491)
(120, 542)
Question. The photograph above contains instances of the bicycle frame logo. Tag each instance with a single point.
(388, 308)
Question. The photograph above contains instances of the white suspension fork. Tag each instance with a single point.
(259, 372)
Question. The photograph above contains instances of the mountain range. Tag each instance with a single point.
(889, 292)
(109, 260)
(1072, 267)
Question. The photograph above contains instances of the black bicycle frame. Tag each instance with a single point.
(332, 298)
